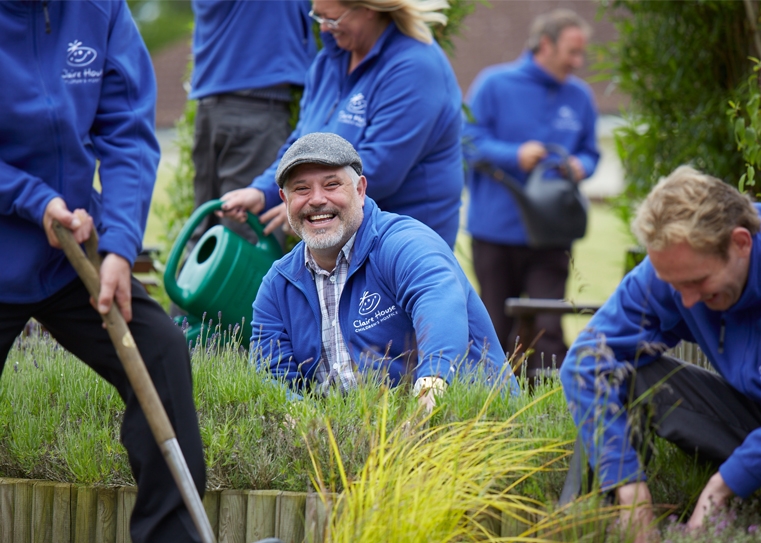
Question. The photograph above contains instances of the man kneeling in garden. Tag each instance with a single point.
(700, 283)
(366, 291)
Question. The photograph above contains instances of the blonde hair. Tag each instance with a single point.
(691, 206)
(412, 17)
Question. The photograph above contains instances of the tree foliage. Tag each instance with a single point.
(681, 63)
(745, 114)
(162, 22)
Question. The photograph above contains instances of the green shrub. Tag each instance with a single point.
(162, 22)
(745, 114)
(681, 63)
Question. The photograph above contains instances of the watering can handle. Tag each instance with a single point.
(549, 163)
(173, 262)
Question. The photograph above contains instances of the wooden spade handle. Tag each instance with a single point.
(139, 378)
(120, 335)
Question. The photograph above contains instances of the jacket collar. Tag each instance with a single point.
(537, 73)
(293, 267)
(336, 52)
(751, 296)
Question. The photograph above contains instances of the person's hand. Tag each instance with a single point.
(530, 154)
(115, 284)
(577, 170)
(427, 389)
(637, 516)
(714, 495)
(79, 222)
(276, 217)
(238, 202)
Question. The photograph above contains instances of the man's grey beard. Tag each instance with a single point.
(322, 240)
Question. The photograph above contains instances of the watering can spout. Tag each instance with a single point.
(508, 181)
(223, 272)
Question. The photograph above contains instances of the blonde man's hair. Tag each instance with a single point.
(691, 206)
(412, 17)
(552, 25)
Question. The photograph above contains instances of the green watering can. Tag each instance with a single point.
(222, 274)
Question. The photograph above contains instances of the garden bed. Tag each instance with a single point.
(59, 425)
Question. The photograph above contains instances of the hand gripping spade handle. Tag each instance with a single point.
(138, 377)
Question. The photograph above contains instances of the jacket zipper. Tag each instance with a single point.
(47, 16)
(722, 332)
(57, 185)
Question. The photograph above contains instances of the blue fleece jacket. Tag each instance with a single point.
(80, 93)
(250, 44)
(512, 104)
(645, 311)
(407, 307)
(400, 108)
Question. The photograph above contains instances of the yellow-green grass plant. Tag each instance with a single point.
(459, 481)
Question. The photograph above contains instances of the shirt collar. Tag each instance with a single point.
(344, 254)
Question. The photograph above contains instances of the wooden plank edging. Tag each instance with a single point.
(45, 511)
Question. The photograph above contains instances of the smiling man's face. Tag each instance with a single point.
(325, 209)
(705, 277)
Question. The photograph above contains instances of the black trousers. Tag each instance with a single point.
(236, 139)
(159, 514)
(509, 271)
(697, 410)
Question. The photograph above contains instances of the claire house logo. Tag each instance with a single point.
(566, 119)
(357, 104)
(566, 112)
(368, 302)
(78, 55)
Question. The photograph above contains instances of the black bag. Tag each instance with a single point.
(553, 210)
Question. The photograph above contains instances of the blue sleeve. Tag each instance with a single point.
(625, 333)
(480, 141)
(428, 286)
(23, 194)
(272, 349)
(588, 153)
(265, 181)
(742, 470)
(124, 139)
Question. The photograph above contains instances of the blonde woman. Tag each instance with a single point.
(382, 83)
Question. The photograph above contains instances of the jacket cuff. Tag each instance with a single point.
(740, 480)
(270, 189)
(118, 242)
(613, 474)
(37, 205)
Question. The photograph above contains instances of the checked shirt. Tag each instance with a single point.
(336, 367)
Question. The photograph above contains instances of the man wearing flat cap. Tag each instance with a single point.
(366, 292)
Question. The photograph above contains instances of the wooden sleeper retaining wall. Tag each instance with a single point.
(49, 512)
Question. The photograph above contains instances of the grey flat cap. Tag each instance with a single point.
(318, 148)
